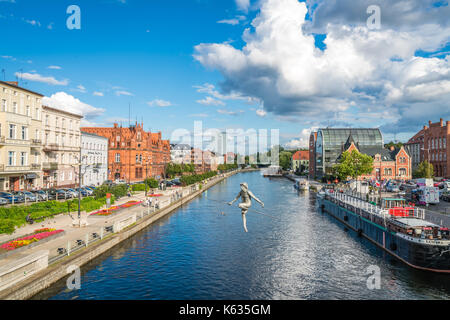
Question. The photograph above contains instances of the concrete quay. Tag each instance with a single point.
(124, 225)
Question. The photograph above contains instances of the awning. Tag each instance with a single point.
(31, 176)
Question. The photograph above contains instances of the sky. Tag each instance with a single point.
(261, 64)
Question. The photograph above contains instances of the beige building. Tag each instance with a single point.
(20, 138)
(62, 141)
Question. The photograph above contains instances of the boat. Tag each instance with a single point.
(301, 185)
(273, 171)
(398, 228)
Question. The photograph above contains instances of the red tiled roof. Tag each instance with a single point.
(301, 155)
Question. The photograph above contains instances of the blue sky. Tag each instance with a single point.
(157, 55)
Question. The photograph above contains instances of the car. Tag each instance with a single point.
(83, 191)
(72, 192)
(28, 196)
(3, 201)
(8, 196)
(19, 197)
(40, 194)
(62, 194)
(89, 191)
(176, 182)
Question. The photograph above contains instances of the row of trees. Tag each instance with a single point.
(175, 169)
(188, 180)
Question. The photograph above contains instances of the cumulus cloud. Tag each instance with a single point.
(159, 103)
(301, 140)
(243, 4)
(38, 78)
(261, 112)
(67, 102)
(358, 75)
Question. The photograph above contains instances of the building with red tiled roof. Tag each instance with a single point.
(300, 161)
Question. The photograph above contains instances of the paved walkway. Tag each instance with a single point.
(64, 222)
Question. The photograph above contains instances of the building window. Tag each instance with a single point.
(402, 172)
(28, 111)
(11, 158)
(23, 159)
(12, 131)
(117, 157)
(24, 133)
(4, 106)
(14, 107)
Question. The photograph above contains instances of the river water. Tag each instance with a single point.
(201, 252)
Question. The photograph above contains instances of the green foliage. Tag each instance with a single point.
(175, 169)
(15, 216)
(118, 191)
(152, 183)
(227, 166)
(424, 170)
(397, 145)
(353, 165)
(285, 160)
(188, 180)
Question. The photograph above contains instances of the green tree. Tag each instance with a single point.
(424, 170)
(285, 160)
(353, 164)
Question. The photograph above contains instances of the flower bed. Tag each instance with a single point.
(114, 209)
(38, 235)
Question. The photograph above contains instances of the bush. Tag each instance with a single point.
(152, 183)
(188, 180)
(7, 226)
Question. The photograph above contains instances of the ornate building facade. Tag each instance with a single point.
(133, 153)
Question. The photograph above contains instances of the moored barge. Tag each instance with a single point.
(399, 229)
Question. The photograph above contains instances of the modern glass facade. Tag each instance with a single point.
(330, 143)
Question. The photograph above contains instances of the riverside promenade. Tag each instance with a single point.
(25, 273)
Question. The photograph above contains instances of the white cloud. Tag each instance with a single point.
(38, 78)
(359, 69)
(54, 67)
(98, 94)
(159, 103)
(124, 93)
(33, 22)
(81, 88)
(50, 26)
(229, 112)
(69, 103)
(261, 112)
(209, 101)
(233, 22)
(243, 4)
(301, 140)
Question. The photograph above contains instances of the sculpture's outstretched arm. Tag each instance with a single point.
(256, 198)
(235, 199)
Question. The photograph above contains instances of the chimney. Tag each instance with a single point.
(425, 127)
(429, 123)
(441, 122)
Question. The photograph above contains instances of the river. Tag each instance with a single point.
(293, 252)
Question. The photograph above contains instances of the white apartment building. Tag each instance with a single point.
(20, 138)
(62, 141)
(94, 152)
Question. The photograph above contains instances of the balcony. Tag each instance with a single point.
(51, 147)
(50, 166)
(36, 143)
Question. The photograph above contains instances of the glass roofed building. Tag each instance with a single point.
(330, 142)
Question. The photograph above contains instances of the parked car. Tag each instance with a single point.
(3, 201)
(18, 196)
(40, 194)
(62, 194)
(27, 195)
(72, 192)
(89, 190)
(83, 191)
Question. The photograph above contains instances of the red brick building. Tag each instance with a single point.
(133, 153)
(388, 164)
(436, 147)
